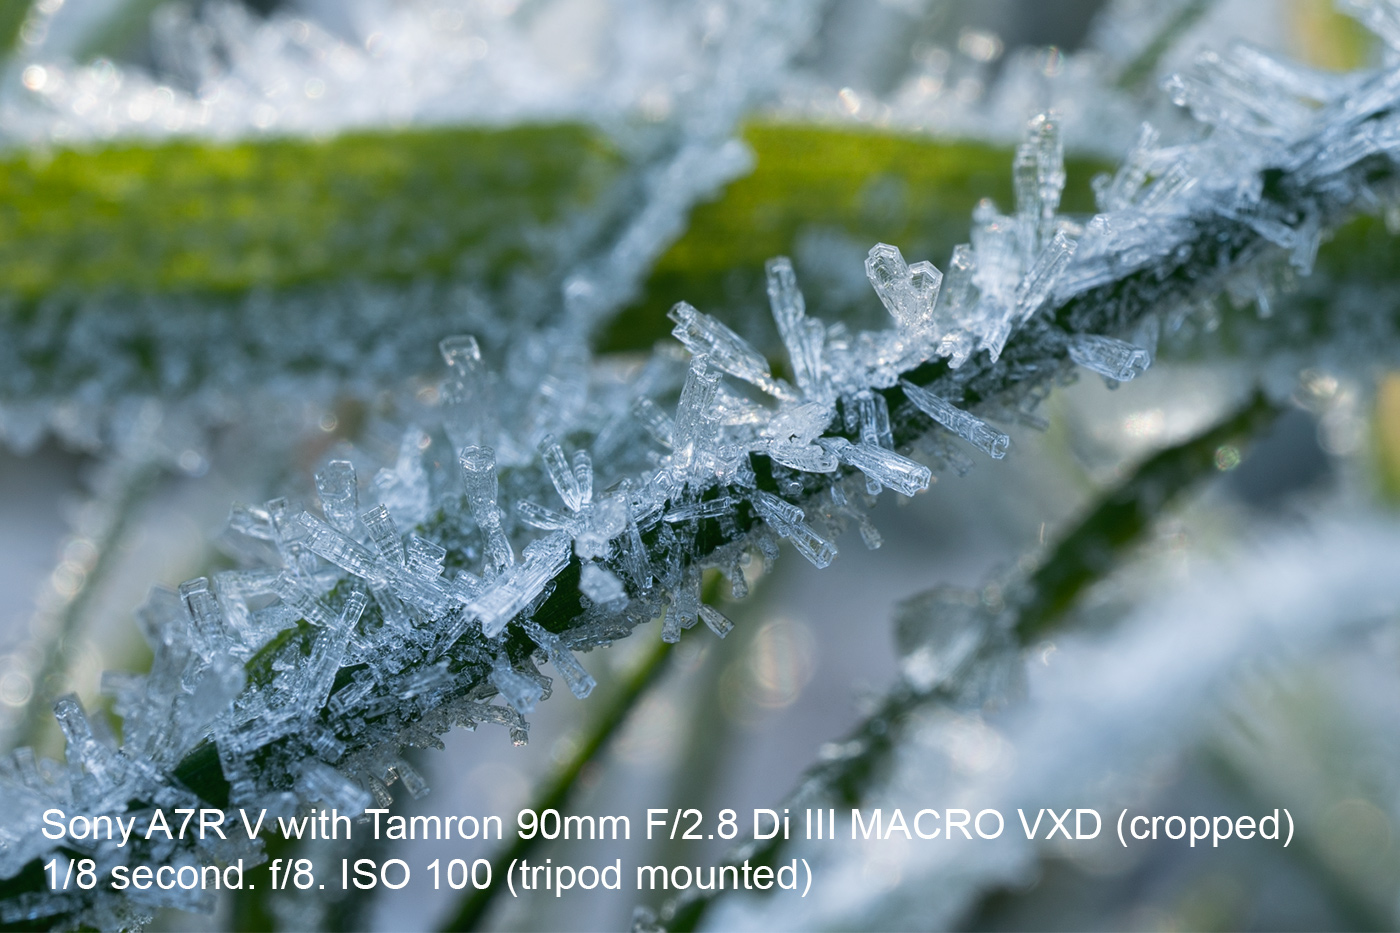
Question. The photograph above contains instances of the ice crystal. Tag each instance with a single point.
(479, 470)
(617, 496)
(1113, 359)
(802, 336)
(703, 335)
(969, 427)
(907, 292)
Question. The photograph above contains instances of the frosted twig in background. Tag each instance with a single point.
(1105, 704)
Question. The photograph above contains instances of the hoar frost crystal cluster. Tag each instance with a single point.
(525, 526)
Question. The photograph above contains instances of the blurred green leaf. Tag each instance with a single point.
(194, 217)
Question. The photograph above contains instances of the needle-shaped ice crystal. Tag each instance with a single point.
(1167, 191)
(1111, 358)
(85, 752)
(303, 603)
(204, 612)
(1040, 280)
(560, 474)
(404, 489)
(697, 510)
(956, 312)
(583, 476)
(998, 250)
(684, 610)
(580, 682)
(717, 621)
(1038, 176)
(657, 423)
(340, 549)
(635, 562)
(513, 591)
(328, 650)
(702, 334)
(543, 517)
(696, 416)
(518, 690)
(339, 494)
(969, 427)
(789, 522)
(873, 414)
(802, 336)
(884, 466)
(384, 535)
(479, 473)
(465, 395)
(1118, 192)
(809, 458)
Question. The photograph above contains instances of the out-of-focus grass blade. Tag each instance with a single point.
(192, 217)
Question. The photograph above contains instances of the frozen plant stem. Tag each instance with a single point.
(1090, 551)
(1123, 516)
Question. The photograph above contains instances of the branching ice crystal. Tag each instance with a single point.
(378, 631)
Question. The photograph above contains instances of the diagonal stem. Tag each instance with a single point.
(1088, 553)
